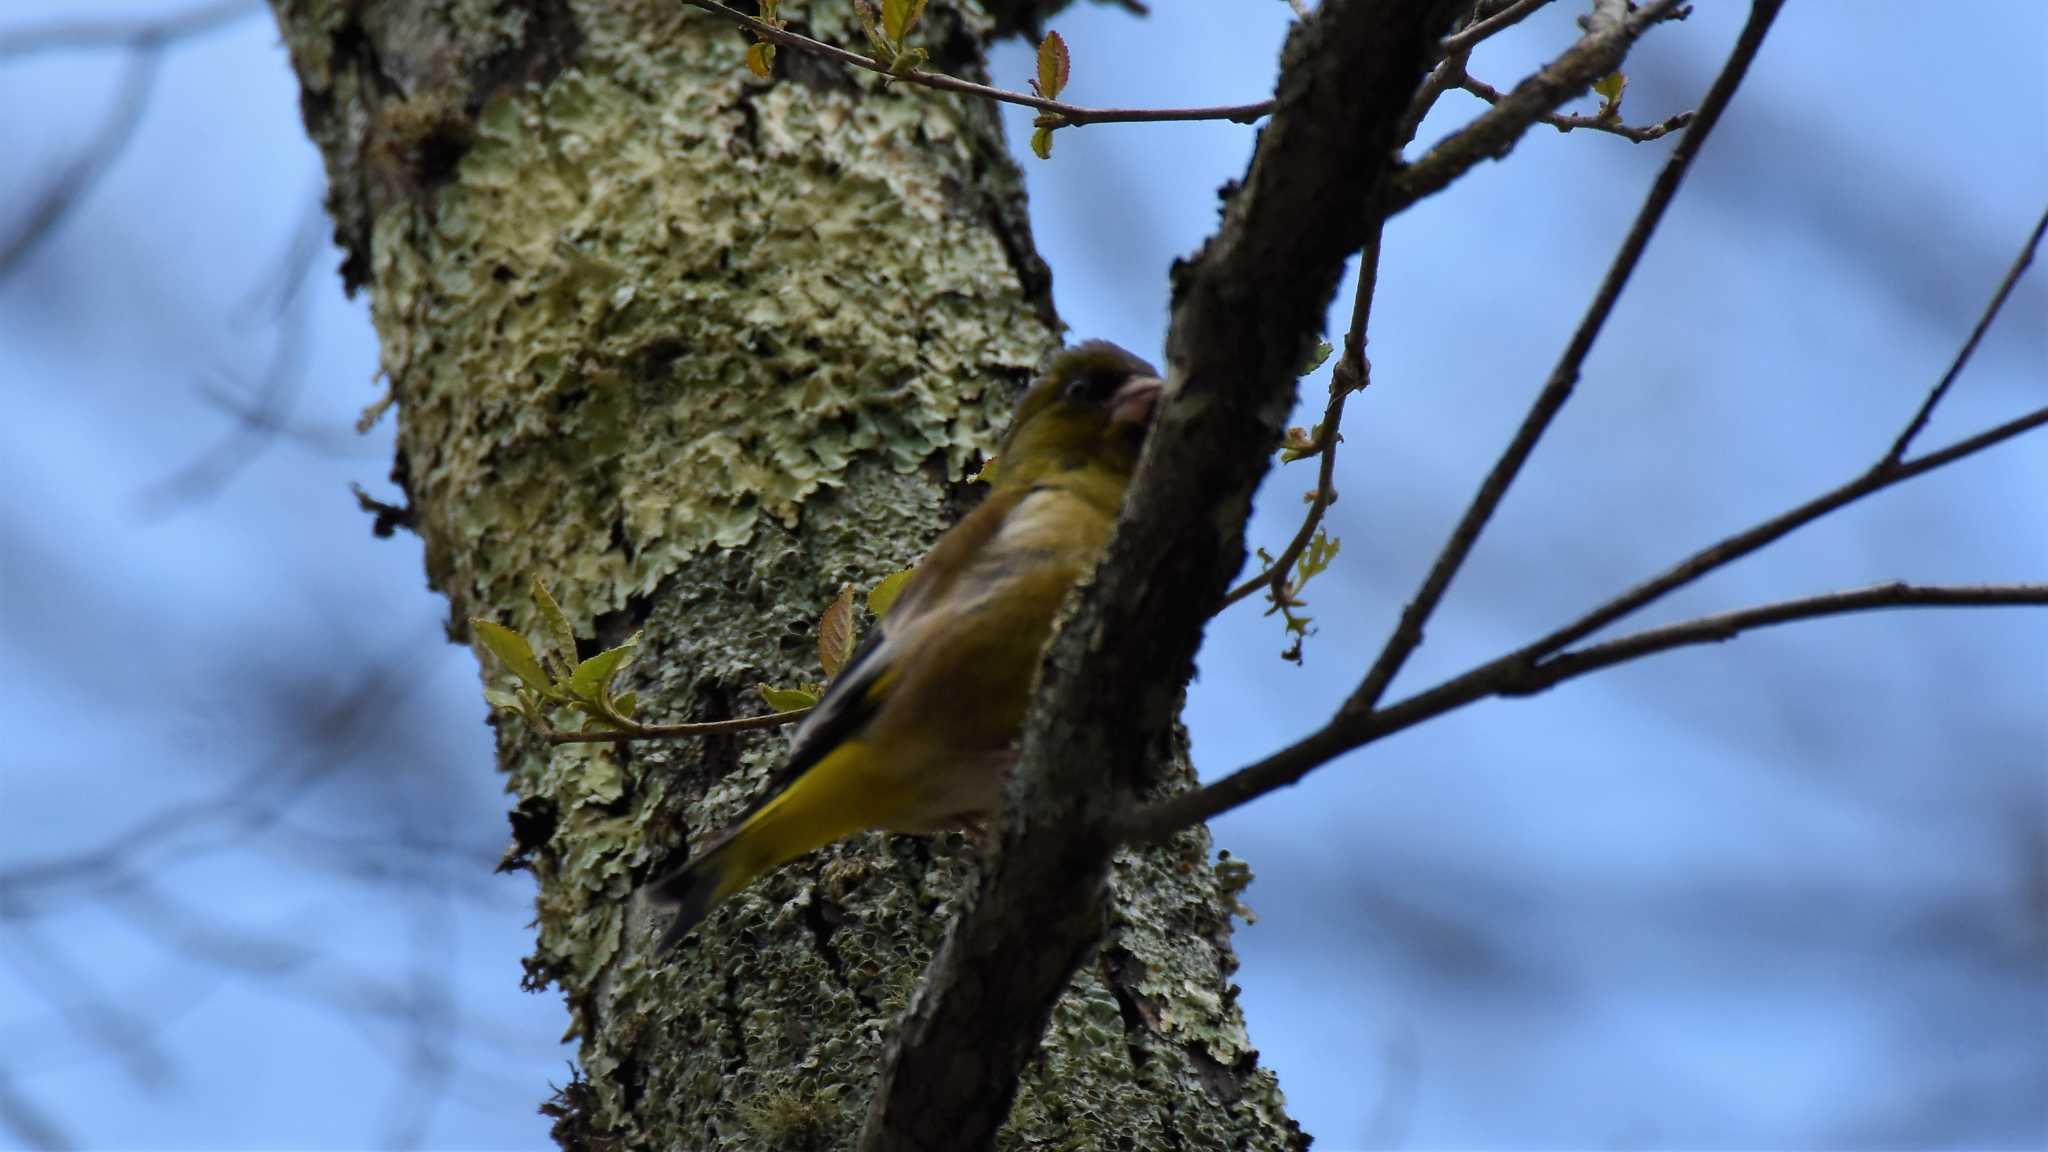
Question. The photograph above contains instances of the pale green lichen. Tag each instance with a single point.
(704, 300)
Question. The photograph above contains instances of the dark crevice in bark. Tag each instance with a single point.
(1115, 967)
(736, 1023)
(533, 823)
(572, 1108)
(547, 44)
(611, 629)
(417, 114)
(824, 917)
(1120, 972)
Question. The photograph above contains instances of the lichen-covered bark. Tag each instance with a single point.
(697, 348)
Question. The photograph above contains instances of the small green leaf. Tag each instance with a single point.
(1041, 142)
(1052, 67)
(529, 703)
(625, 705)
(560, 634)
(512, 650)
(883, 49)
(835, 632)
(883, 596)
(593, 678)
(787, 699)
(986, 474)
(900, 16)
(1322, 548)
(1315, 360)
(499, 698)
(1610, 88)
(1300, 444)
(761, 59)
(907, 61)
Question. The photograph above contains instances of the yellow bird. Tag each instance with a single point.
(918, 730)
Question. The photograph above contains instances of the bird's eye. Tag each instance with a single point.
(1092, 388)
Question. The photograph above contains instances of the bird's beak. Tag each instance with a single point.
(1134, 401)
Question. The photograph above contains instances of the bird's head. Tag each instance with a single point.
(1091, 408)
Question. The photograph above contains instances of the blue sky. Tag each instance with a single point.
(1783, 892)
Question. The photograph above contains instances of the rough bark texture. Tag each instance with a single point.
(696, 348)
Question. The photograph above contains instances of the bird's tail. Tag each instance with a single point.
(696, 888)
(829, 802)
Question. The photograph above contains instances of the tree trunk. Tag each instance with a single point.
(695, 348)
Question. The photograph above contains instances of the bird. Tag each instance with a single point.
(917, 731)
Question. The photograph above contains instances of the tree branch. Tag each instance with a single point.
(1558, 389)
(129, 33)
(1566, 122)
(1510, 676)
(2012, 277)
(1246, 309)
(1074, 115)
(1609, 35)
(1728, 625)
(1351, 373)
(678, 731)
(1520, 672)
(1489, 25)
(78, 177)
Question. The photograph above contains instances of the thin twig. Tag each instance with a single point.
(1462, 42)
(69, 189)
(1513, 673)
(1351, 373)
(130, 33)
(1955, 368)
(1494, 132)
(1566, 121)
(1070, 114)
(1159, 822)
(1558, 389)
(680, 731)
(1729, 625)
(1725, 552)
(1442, 79)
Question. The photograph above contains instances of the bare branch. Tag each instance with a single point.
(1495, 132)
(1566, 122)
(1513, 673)
(28, 1121)
(1073, 115)
(78, 177)
(1727, 551)
(1488, 26)
(1442, 79)
(1351, 373)
(144, 40)
(681, 731)
(1955, 368)
(132, 33)
(1512, 676)
(1728, 625)
(1558, 389)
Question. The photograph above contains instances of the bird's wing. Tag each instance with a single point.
(863, 685)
